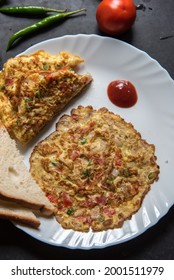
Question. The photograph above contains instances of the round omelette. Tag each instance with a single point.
(95, 168)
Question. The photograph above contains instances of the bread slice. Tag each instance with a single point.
(14, 212)
(16, 182)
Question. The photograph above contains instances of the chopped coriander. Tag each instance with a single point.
(28, 103)
(46, 66)
(3, 87)
(151, 175)
(125, 172)
(70, 211)
(57, 66)
(83, 141)
(86, 173)
(28, 99)
(55, 163)
(101, 219)
(110, 180)
(38, 94)
(89, 161)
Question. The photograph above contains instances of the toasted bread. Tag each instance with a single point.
(13, 211)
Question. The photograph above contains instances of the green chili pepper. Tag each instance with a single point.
(31, 10)
(39, 25)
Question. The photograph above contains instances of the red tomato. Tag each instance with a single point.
(115, 17)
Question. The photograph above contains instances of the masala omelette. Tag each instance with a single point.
(95, 168)
(34, 88)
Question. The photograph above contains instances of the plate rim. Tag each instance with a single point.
(30, 50)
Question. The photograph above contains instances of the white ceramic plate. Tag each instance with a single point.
(153, 116)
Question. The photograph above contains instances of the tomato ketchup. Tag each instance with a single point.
(122, 93)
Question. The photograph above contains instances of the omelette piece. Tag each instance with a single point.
(95, 168)
(36, 87)
(40, 96)
(15, 68)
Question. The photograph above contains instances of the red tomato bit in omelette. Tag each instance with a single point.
(122, 93)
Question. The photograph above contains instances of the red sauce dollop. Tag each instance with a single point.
(122, 93)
